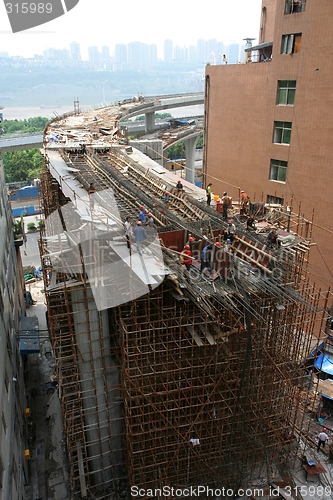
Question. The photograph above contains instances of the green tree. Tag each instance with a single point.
(200, 142)
(22, 165)
(163, 115)
(36, 124)
(176, 151)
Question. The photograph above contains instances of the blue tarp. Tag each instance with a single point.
(29, 335)
(31, 210)
(25, 192)
(324, 363)
(38, 272)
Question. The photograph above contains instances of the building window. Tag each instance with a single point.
(278, 171)
(273, 200)
(282, 132)
(286, 92)
(294, 6)
(291, 44)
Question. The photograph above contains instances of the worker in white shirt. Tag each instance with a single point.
(322, 438)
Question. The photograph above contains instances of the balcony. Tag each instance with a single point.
(294, 6)
(260, 53)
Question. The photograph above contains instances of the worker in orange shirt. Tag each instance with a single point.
(245, 201)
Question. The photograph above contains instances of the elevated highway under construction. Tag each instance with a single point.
(171, 376)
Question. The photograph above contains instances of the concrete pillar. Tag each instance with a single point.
(190, 146)
(99, 384)
(150, 122)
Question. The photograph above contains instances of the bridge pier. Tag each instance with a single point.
(190, 146)
(150, 122)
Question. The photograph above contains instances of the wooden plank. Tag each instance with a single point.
(208, 335)
(81, 472)
(195, 336)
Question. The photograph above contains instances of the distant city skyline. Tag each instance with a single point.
(141, 54)
(109, 24)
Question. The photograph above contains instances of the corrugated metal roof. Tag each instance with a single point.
(260, 46)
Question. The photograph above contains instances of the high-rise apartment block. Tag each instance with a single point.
(14, 450)
(168, 50)
(75, 52)
(269, 122)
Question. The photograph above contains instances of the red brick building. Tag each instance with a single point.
(269, 123)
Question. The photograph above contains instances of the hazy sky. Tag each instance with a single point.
(108, 22)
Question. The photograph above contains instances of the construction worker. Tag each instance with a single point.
(209, 193)
(205, 258)
(192, 242)
(166, 197)
(217, 255)
(140, 235)
(150, 220)
(142, 215)
(187, 253)
(245, 201)
(91, 190)
(322, 438)
(273, 239)
(179, 185)
(229, 232)
(250, 223)
(225, 203)
(128, 232)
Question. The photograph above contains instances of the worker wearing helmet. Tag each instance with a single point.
(140, 235)
(245, 201)
(186, 254)
(191, 241)
(179, 185)
(142, 215)
(322, 438)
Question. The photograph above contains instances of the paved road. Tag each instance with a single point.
(48, 471)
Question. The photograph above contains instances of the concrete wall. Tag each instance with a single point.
(13, 466)
(150, 147)
(241, 109)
